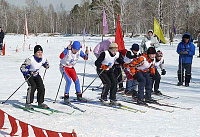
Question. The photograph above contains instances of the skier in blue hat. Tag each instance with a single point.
(69, 58)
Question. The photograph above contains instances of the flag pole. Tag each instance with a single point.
(84, 41)
(102, 25)
(24, 32)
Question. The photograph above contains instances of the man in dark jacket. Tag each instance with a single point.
(1, 39)
(186, 50)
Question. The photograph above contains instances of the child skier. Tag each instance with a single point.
(131, 83)
(141, 69)
(159, 62)
(104, 65)
(30, 69)
(69, 57)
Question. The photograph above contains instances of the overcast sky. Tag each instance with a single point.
(68, 3)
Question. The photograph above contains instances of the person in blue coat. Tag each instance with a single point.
(186, 51)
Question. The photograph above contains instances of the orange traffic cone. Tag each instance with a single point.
(4, 50)
(17, 49)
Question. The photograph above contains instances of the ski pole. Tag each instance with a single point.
(44, 74)
(84, 76)
(59, 87)
(17, 89)
(84, 72)
(93, 81)
(97, 87)
(181, 70)
(102, 83)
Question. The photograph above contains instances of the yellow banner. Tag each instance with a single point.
(158, 31)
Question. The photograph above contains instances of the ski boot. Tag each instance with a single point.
(179, 84)
(104, 101)
(134, 98)
(115, 103)
(80, 98)
(140, 102)
(157, 92)
(42, 105)
(149, 100)
(66, 99)
(28, 106)
(187, 84)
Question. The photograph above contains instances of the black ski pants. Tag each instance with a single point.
(187, 67)
(35, 82)
(109, 84)
(118, 75)
(144, 82)
(156, 80)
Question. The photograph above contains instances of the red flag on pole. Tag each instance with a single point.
(118, 36)
(24, 128)
(13, 125)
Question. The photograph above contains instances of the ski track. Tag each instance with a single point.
(97, 122)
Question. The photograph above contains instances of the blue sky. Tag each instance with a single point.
(68, 3)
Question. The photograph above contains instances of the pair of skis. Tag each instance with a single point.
(100, 103)
(159, 104)
(36, 109)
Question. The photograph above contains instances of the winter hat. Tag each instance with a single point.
(113, 45)
(151, 50)
(186, 36)
(150, 31)
(76, 45)
(135, 47)
(159, 53)
(37, 48)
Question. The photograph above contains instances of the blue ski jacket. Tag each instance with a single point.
(190, 48)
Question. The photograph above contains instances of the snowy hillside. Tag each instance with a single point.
(99, 121)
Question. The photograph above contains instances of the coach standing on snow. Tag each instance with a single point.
(186, 50)
(149, 41)
(1, 39)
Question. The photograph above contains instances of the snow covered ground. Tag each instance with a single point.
(98, 121)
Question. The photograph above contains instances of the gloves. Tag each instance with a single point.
(163, 72)
(126, 65)
(152, 71)
(184, 52)
(104, 67)
(46, 64)
(28, 75)
(133, 71)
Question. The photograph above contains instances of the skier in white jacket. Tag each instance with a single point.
(149, 41)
